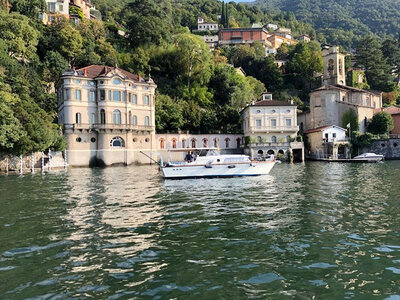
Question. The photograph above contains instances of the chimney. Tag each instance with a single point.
(291, 101)
(85, 72)
(140, 78)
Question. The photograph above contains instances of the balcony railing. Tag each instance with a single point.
(274, 129)
(112, 126)
(335, 140)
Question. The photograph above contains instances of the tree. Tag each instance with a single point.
(391, 51)
(351, 117)
(149, 22)
(370, 57)
(67, 40)
(194, 58)
(381, 123)
(168, 114)
(29, 8)
(20, 37)
(54, 64)
(303, 64)
(10, 128)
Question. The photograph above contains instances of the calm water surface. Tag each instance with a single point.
(313, 231)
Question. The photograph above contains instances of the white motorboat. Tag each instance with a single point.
(208, 162)
(369, 157)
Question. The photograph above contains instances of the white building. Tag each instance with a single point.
(211, 41)
(55, 8)
(328, 142)
(272, 27)
(107, 114)
(270, 127)
(206, 26)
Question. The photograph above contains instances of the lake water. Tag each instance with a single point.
(306, 231)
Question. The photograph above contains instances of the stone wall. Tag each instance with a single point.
(390, 148)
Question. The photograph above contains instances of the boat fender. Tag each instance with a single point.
(208, 165)
(231, 166)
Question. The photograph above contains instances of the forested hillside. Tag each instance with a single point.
(342, 22)
(198, 90)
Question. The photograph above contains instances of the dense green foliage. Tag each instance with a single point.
(350, 117)
(32, 57)
(381, 123)
(342, 22)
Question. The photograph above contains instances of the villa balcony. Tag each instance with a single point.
(275, 129)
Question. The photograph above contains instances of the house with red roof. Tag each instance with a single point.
(108, 115)
(270, 128)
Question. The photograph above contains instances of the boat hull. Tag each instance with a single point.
(220, 170)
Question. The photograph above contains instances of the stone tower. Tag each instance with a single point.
(334, 66)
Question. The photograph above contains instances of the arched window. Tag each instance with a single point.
(162, 144)
(134, 120)
(92, 118)
(227, 140)
(117, 142)
(78, 119)
(215, 142)
(193, 143)
(146, 121)
(183, 143)
(330, 67)
(174, 143)
(271, 152)
(273, 139)
(117, 117)
(238, 143)
(340, 66)
(130, 118)
(260, 153)
(205, 142)
(102, 116)
(259, 140)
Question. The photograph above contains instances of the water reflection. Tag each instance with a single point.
(313, 230)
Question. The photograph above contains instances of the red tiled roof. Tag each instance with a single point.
(95, 71)
(321, 128)
(345, 87)
(272, 103)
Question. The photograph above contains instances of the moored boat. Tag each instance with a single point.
(369, 157)
(208, 162)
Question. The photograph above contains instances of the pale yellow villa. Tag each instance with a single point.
(108, 115)
(270, 128)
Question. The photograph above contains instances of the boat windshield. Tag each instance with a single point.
(206, 152)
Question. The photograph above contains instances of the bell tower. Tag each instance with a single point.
(334, 66)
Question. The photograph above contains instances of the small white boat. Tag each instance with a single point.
(208, 162)
(369, 157)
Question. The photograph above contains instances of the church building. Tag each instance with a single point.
(330, 102)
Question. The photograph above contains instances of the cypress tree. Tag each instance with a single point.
(222, 20)
(226, 16)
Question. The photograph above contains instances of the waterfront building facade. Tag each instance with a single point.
(270, 128)
(329, 142)
(330, 102)
(107, 114)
